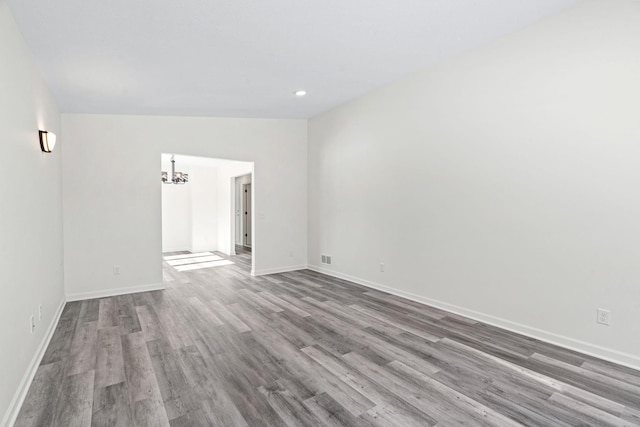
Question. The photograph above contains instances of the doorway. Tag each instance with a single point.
(246, 224)
(198, 215)
(243, 186)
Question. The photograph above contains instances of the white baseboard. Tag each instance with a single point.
(178, 249)
(621, 358)
(18, 398)
(278, 270)
(197, 249)
(114, 292)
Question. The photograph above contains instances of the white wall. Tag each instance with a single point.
(112, 196)
(503, 184)
(203, 183)
(177, 221)
(31, 213)
(190, 211)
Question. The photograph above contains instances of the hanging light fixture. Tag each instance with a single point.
(176, 177)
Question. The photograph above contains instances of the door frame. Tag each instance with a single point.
(232, 184)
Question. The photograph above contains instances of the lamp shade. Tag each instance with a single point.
(47, 141)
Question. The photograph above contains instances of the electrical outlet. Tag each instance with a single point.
(116, 270)
(32, 320)
(40, 312)
(382, 267)
(604, 317)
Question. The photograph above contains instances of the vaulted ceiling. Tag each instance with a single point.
(245, 58)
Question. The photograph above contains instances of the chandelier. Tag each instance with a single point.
(176, 177)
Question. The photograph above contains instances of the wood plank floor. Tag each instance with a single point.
(221, 348)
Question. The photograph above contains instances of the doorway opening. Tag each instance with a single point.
(199, 226)
(246, 224)
(244, 214)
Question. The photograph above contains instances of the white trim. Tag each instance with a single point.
(114, 292)
(615, 356)
(180, 249)
(227, 253)
(278, 270)
(203, 248)
(21, 393)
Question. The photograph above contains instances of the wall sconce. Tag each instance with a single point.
(47, 141)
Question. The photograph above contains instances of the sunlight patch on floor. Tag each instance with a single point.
(196, 261)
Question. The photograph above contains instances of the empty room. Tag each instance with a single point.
(320, 213)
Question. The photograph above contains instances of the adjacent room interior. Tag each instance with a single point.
(404, 213)
(206, 208)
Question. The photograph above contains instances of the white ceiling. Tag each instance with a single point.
(245, 58)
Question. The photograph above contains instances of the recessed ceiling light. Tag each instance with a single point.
(300, 93)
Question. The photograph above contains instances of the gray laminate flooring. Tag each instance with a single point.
(221, 348)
